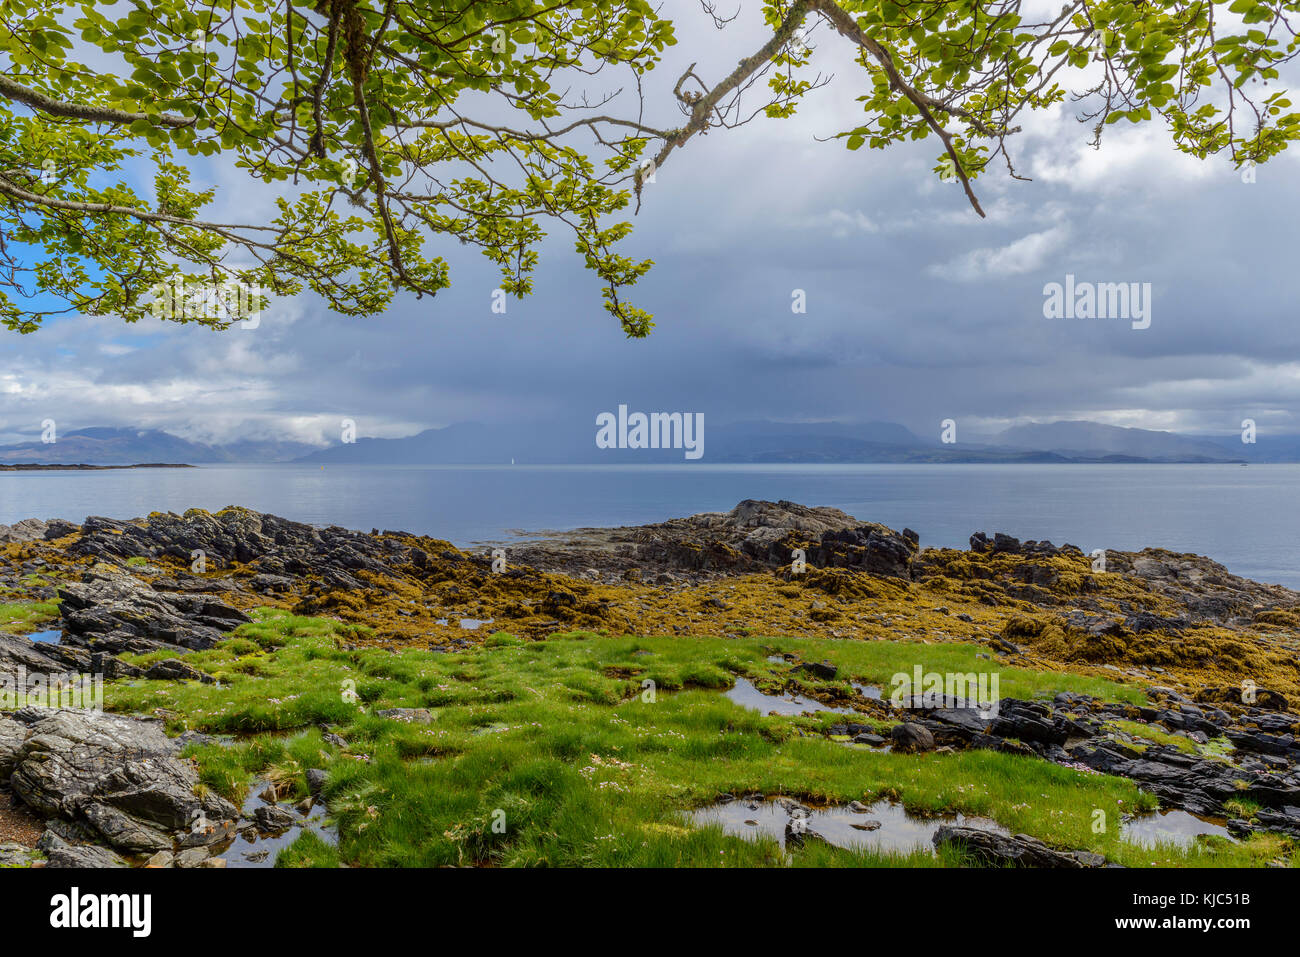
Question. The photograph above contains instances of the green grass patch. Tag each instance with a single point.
(309, 850)
(585, 750)
(23, 616)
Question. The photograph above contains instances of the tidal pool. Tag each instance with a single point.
(469, 624)
(883, 826)
(1170, 826)
(746, 695)
(253, 848)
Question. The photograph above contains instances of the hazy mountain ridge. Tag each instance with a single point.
(110, 446)
(760, 442)
(1082, 439)
(756, 442)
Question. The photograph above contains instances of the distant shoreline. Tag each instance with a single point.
(40, 467)
(702, 464)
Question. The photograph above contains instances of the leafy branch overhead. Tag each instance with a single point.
(384, 126)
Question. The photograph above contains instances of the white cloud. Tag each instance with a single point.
(1056, 150)
(1024, 255)
(844, 224)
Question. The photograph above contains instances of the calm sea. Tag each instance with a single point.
(1244, 517)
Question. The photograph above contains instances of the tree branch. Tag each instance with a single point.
(845, 23)
(81, 111)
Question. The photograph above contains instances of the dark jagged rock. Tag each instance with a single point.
(1200, 789)
(117, 612)
(1000, 543)
(753, 536)
(1028, 721)
(996, 850)
(1286, 819)
(819, 669)
(277, 546)
(1205, 593)
(1263, 743)
(1195, 785)
(40, 657)
(870, 548)
(58, 528)
(799, 833)
(970, 719)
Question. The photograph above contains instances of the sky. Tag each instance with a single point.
(917, 310)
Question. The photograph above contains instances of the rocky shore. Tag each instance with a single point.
(1215, 656)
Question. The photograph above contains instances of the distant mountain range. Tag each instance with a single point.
(776, 442)
(1086, 441)
(102, 446)
(753, 442)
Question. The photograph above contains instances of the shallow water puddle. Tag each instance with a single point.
(867, 691)
(1171, 827)
(469, 624)
(881, 827)
(747, 696)
(48, 637)
(254, 848)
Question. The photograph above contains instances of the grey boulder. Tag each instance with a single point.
(117, 775)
